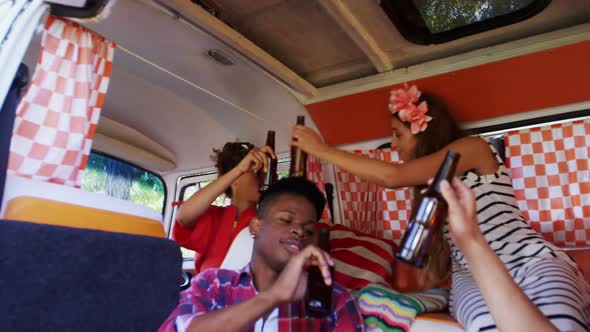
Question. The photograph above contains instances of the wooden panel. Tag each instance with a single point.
(341, 72)
(299, 33)
(535, 81)
(356, 30)
(202, 19)
(236, 10)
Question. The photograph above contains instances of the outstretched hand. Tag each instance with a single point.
(291, 284)
(256, 160)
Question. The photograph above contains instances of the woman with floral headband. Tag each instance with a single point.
(422, 133)
(209, 230)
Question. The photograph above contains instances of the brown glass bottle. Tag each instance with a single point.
(270, 176)
(318, 300)
(298, 157)
(428, 217)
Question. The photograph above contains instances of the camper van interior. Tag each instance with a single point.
(112, 109)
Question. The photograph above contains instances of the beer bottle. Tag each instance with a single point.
(318, 300)
(428, 217)
(270, 176)
(298, 157)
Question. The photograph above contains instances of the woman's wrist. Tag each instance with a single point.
(321, 151)
(473, 246)
(236, 172)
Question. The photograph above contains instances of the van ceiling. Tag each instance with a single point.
(325, 41)
(161, 64)
(173, 111)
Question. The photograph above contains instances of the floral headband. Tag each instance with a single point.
(403, 101)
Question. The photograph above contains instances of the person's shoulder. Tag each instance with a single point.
(474, 146)
(473, 142)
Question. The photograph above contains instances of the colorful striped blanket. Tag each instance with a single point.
(385, 309)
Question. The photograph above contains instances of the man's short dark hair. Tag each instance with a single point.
(298, 186)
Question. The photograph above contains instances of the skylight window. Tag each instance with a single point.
(439, 21)
(445, 15)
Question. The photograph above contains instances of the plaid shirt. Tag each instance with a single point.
(216, 289)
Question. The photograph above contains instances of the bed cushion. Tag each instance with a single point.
(361, 259)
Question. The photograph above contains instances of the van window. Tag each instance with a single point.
(190, 189)
(199, 182)
(435, 21)
(441, 16)
(123, 180)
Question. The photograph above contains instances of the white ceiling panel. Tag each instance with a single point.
(175, 113)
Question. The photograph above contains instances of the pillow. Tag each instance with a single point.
(240, 251)
(361, 259)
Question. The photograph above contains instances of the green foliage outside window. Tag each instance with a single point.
(445, 15)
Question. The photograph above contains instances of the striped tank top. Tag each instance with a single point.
(501, 222)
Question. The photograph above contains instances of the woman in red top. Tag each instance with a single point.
(209, 230)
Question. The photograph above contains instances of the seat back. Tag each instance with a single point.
(68, 279)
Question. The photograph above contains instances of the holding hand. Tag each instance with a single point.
(291, 284)
(463, 225)
(256, 160)
(307, 139)
(510, 307)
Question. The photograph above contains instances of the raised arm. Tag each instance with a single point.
(195, 206)
(510, 307)
(474, 151)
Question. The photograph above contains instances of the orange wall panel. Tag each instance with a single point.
(530, 82)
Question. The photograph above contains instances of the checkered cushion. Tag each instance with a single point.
(57, 118)
(372, 209)
(550, 176)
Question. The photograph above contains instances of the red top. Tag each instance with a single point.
(212, 234)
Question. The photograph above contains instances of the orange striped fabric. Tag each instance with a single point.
(361, 259)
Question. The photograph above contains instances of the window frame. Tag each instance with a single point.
(91, 9)
(539, 121)
(409, 21)
(140, 168)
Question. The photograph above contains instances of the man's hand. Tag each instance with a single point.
(256, 160)
(291, 284)
(463, 225)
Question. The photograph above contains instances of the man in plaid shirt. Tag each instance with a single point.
(267, 294)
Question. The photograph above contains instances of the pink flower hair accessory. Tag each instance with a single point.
(403, 101)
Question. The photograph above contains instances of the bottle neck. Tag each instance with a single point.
(446, 170)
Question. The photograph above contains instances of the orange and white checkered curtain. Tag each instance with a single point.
(551, 179)
(372, 209)
(315, 173)
(57, 118)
